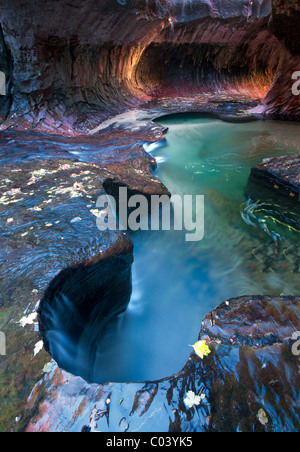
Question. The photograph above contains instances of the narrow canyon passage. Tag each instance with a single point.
(180, 97)
(245, 251)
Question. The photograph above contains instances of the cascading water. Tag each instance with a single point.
(176, 283)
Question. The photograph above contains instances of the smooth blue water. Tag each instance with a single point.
(245, 251)
(176, 283)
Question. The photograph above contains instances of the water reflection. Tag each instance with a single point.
(175, 283)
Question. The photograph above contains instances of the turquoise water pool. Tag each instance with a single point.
(248, 249)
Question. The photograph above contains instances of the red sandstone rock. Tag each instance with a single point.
(74, 63)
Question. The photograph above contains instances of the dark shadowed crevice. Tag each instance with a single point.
(286, 27)
(6, 66)
(167, 67)
(78, 305)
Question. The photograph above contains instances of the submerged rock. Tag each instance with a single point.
(48, 233)
(249, 382)
(253, 367)
(75, 65)
(280, 174)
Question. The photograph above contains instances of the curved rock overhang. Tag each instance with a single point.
(74, 61)
(95, 59)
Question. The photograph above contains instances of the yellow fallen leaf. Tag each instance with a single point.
(49, 367)
(201, 349)
(262, 416)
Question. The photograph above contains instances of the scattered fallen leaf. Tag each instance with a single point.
(76, 220)
(201, 349)
(28, 320)
(192, 399)
(262, 416)
(98, 213)
(38, 347)
(49, 367)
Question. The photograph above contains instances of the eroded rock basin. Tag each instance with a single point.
(249, 247)
(251, 259)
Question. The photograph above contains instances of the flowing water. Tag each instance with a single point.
(249, 247)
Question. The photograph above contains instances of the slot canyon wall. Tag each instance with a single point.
(280, 101)
(71, 67)
(81, 62)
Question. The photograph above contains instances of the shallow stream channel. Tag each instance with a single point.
(250, 247)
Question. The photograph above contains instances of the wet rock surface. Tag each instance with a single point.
(249, 382)
(281, 101)
(48, 219)
(6, 68)
(256, 378)
(285, 18)
(75, 65)
(73, 72)
(48, 224)
(274, 184)
(281, 174)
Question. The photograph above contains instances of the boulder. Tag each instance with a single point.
(248, 383)
(281, 175)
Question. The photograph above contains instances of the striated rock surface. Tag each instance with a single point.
(49, 235)
(280, 174)
(249, 382)
(73, 66)
(281, 101)
(6, 67)
(254, 375)
(76, 64)
(285, 23)
(274, 185)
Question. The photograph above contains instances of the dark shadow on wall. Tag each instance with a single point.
(192, 67)
(78, 305)
(6, 66)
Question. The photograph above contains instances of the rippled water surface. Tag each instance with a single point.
(250, 247)
(245, 251)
